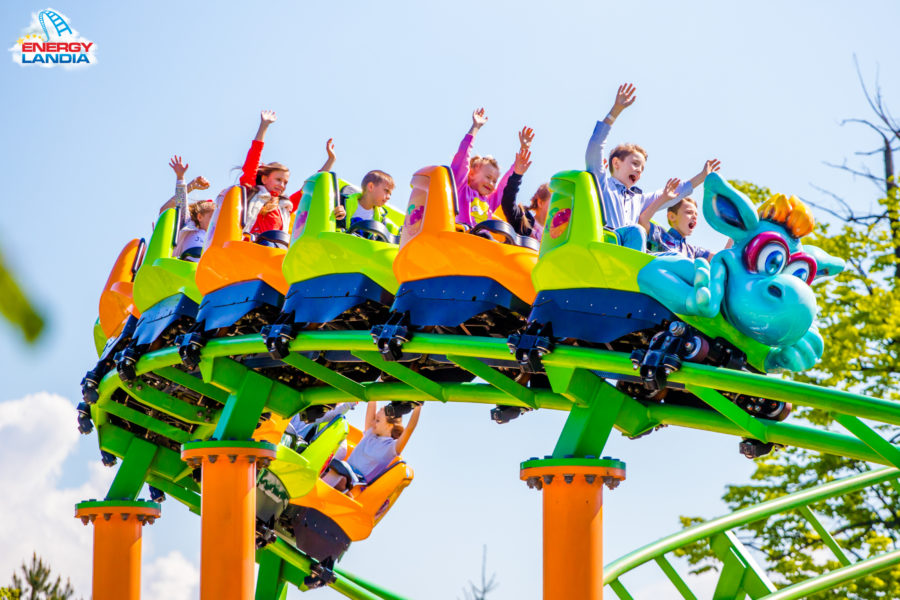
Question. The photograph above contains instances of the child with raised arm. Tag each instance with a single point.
(526, 221)
(193, 219)
(384, 439)
(267, 207)
(683, 218)
(477, 187)
(621, 200)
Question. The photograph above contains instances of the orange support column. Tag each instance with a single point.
(573, 522)
(227, 514)
(117, 545)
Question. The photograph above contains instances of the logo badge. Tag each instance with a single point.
(50, 41)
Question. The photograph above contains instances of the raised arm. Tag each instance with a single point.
(408, 430)
(711, 166)
(370, 415)
(460, 163)
(513, 211)
(329, 162)
(667, 195)
(266, 118)
(251, 163)
(179, 200)
(594, 156)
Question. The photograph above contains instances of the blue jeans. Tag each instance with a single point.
(632, 236)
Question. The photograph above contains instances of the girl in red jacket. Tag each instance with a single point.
(267, 207)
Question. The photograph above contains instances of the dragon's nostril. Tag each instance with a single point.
(775, 290)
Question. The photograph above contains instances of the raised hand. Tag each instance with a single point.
(711, 166)
(526, 136)
(523, 161)
(670, 192)
(479, 118)
(332, 157)
(267, 117)
(177, 166)
(198, 183)
(625, 96)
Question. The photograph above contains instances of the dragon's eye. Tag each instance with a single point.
(802, 266)
(771, 258)
(798, 269)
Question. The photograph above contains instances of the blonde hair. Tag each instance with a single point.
(623, 151)
(791, 212)
(267, 169)
(476, 162)
(375, 177)
(198, 208)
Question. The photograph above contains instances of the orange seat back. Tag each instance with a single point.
(228, 259)
(431, 245)
(116, 302)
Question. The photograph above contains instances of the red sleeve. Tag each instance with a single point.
(251, 164)
(295, 199)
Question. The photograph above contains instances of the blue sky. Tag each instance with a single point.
(762, 86)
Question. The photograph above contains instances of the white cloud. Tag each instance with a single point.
(172, 576)
(39, 434)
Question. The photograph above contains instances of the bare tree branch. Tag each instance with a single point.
(849, 216)
(876, 151)
(879, 181)
(877, 105)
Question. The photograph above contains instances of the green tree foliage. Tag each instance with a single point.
(16, 308)
(860, 322)
(37, 583)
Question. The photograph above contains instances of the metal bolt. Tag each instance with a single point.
(548, 479)
(611, 482)
(568, 478)
(590, 479)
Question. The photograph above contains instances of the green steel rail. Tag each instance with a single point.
(740, 574)
(146, 425)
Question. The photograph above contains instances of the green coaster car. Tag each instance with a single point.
(165, 293)
(588, 293)
(342, 279)
(294, 472)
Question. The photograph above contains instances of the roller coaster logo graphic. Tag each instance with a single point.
(50, 41)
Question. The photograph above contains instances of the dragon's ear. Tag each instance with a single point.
(826, 265)
(726, 209)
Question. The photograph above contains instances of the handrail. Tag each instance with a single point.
(739, 518)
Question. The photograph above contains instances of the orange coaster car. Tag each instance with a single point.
(323, 522)
(241, 281)
(475, 282)
(118, 315)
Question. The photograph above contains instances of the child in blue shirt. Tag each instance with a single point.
(621, 200)
(682, 221)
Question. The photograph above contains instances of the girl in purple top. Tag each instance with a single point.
(384, 439)
(477, 188)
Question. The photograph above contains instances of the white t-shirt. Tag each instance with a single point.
(189, 237)
(372, 454)
(366, 214)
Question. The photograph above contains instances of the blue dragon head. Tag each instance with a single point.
(767, 292)
(761, 284)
